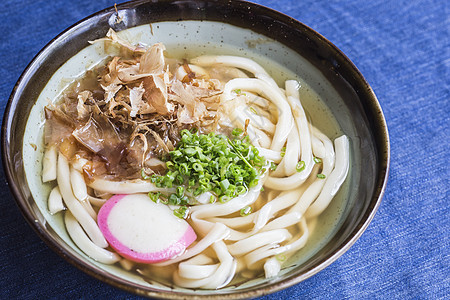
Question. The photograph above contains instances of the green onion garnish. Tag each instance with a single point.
(211, 163)
(245, 211)
(300, 166)
(237, 132)
(154, 196)
(317, 160)
(283, 151)
(321, 176)
(273, 166)
(224, 198)
(181, 212)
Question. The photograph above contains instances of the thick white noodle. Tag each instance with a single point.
(284, 124)
(239, 115)
(254, 99)
(198, 213)
(257, 119)
(246, 64)
(226, 270)
(125, 187)
(271, 267)
(79, 187)
(319, 148)
(49, 164)
(314, 189)
(198, 267)
(271, 208)
(55, 202)
(299, 242)
(180, 73)
(334, 180)
(88, 207)
(288, 164)
(263, 253)
(78, 163)
(80, 238)
(292, 88)
(96, 201)
(259, 218)
(284, 221)
(217, 233)
(297, 179)
(263, 139)
(258, 240)
(234, 222)
(271, 155)
(231, 61)
(274, 249)
(75, 207)
(222, 275)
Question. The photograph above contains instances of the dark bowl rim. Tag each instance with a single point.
(380, 185)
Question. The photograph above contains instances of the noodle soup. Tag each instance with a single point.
(115, 131)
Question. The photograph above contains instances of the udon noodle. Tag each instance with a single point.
(117, 123)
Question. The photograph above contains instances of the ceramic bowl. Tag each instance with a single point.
(232, 27)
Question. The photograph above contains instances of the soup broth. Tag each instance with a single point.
(314, 227)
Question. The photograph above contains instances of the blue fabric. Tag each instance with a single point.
(402, 48)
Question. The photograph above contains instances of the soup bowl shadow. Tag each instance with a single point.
(251, 28)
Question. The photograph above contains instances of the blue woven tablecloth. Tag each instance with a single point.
(403, 50)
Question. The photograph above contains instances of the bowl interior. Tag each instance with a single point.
(190, 28)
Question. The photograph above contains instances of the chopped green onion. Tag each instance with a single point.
(224, 199)
(317, 160)
(180, 191)
(190, 151)
(237, 91)
(253, 183)
(245, 211)
(300, 166)
(210, 163)
(240, 190)
(253, 110)
(224, 184)
(184, 169)
(273, 166)
(154, 196)
(212, 199)
(321, 176)
(283, 151)
(174, 199)
(197, 167)
(169, 165)
(181, 212)
(237, 132)
(239, 153)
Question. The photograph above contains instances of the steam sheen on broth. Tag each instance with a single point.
(113, 132)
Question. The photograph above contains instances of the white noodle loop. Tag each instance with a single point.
(86, 245)
(75, 207)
